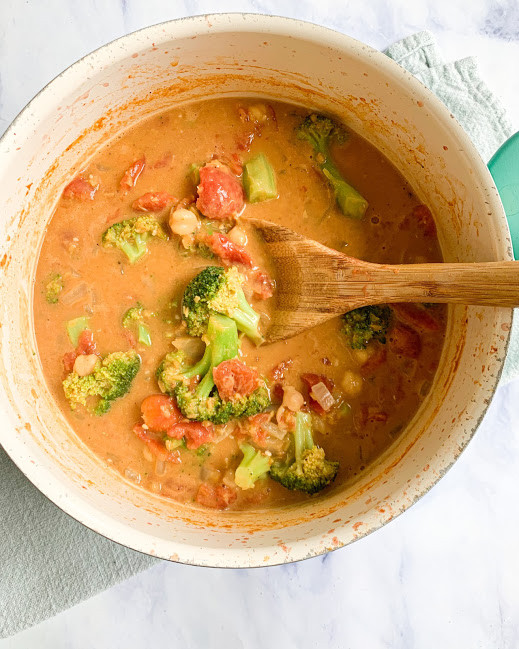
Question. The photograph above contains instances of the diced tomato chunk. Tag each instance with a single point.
(262, 285)
(131, 175)
(233, 378)
(309, 381)
(416, 316)
(376, 360)
(372, 415)
(153, 202)
(156, 447)
(404, 341)
(81, 189)
(219, 497)
(220, 194)
(423, 218)
(228, 251)
(165, 161)
(277, 393)
(68, 361)
(85, 343)
(277, 373)
(193, 432)
(160, 412)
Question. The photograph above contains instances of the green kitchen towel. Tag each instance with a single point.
(480, 113)
(48, 561)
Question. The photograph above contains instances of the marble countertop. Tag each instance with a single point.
(442, 575)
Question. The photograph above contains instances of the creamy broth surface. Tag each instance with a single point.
(376, 390)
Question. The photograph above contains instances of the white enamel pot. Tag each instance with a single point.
(152, 70)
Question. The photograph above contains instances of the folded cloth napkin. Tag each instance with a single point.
(48, 561)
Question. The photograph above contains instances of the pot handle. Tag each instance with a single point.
(504, 167)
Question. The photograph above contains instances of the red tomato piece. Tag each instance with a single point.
(219, 497)
(85, 343)
(372, 415)
(235, 379)
(309, 381)
(160, 412)
(404, 341)
(81, 189)
(220, 194)
(262, 285)
(277, 373)
(277, 393)
(153, 202)
(156, 447)
(422, 216)
(68, 361)
(416, 316)
(376, 360)
(131, 175)
(228, 251)
(193, 432)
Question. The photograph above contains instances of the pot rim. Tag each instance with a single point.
(46, 482)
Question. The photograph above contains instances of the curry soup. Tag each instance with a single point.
(245, 427)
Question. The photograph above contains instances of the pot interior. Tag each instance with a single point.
(154, 70)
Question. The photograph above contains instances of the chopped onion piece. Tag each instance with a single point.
(133, 475)
(160, 467)
(322, 395)
(73, 295)
(273, 430)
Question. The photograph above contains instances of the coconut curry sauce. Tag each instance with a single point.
(190, 177)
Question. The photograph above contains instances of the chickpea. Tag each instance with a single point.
(238, 236)
(258, 113)
(351, 383)
(85, 364)
(292, 399)
(361, 355)
(182, 221)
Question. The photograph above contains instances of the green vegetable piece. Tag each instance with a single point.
(132, 236)
(219, 290)
(144, 336)
(365, 324)
(253, 466)
(194, 173)
(307, 470)
(259, 179)
(136, 316)
(202, 402)
(172, 444)
(320, 132)
(75, 328)
(110, 380)
(53, 288)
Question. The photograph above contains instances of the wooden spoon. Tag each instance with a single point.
(315, 283)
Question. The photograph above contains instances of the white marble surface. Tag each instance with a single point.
(443, 575)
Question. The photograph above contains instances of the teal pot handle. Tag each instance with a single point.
(504, 168)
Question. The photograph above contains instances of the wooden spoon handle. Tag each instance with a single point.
(486, 284)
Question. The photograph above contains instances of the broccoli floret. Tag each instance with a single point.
(320, 131)
(310, 471)
(111, 379)
(367, 323)
(203, 403)
(219, 290)
(131, 236)
(53, 288)
(254, 465)
(134, 318)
